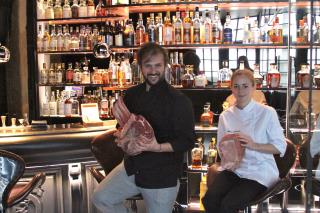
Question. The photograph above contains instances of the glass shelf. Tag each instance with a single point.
(82, 20)
(105, 87)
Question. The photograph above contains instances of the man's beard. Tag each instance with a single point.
(161, 78)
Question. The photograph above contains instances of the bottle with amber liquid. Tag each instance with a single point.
(69, 74)
(187, 79)
(176, 70)
(276, 32)
(212, 152)
(57, 10)
(303, 76)
(100, 9)
(104, 108)
(140, 31)
(273, 76)
(187, 23)
(168, 30)
(178, 28)
(257, 76)
(196, 156)
(75, 9)
(206, 119)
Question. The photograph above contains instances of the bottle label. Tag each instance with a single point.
(227, 35)
(196, 35)
(168, 34)
(82, 11)
(67, 109)
(118, 40)
(67, 13)
(177, 35)
(91, 11)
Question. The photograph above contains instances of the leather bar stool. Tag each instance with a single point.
(109, 155)
(284, 165)
(12, 193)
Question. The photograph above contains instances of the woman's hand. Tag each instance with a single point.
(246, 141)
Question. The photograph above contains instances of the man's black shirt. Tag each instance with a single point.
(170, 114)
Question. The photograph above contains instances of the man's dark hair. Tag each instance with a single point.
(148, 50)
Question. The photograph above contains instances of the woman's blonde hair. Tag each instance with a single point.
(247, 73)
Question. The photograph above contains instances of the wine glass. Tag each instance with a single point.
(4, 54)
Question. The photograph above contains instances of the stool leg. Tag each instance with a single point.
(133, 206)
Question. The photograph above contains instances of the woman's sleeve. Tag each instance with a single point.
(275, 133)
(221, 129)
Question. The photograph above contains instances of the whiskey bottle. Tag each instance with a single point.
(45, 105)
(303, 76)
(110, 34)
(152, 29)
(140, 31)
(83, 9)
(246, 31)
(53, 39)
(168, 34)
(118, 35)
(178, 28)
(68, 105)
(60, 39)
(212, 152)
(52, 74)
(66, 10)
(257, 76)
(176, 70)
(91, 11)
(216, 27)
(196, 156)
(57, 10)
(129, 34)
(104, 108)
(275, 33)
(300, 32)
(46, 39)
(52, 104)
(75, 9)
(160, 30)
(39, 39)
(66, 38)
(273, 76)
(227, 30)
(100, 9)
(69, 74)
(196, 23)
(77, 74)
(206, 118)
(187, 22)
(207, 29)
(74, 42)
(49, 12)
(224, 75)
(59, 74)
(60, 103)
(44, 74)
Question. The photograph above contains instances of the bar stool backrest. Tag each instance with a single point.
(11, 170)
(286, 162)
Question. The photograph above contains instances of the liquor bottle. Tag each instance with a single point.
(49, 13)
(53, 39)
(264, 28)
(306, 29)
(224, 75)
(44, 74)
(86, 74)
(176, 70)
(75, 9)
(82, 38)
(104, 108)
(206, 118)
(255, 31)
(113, 69)
(88, 36)
(160, 30)
(69, 74)
(60, 39)
(91, 11)
(140, 31)
(68, 105)
(66, 10)
(152, 29)
(227, 30)
(216, 27)
(59, 74)
(66, 38)
(128, 71)
(273, 76)
(45, 105)
(110, 34)
(60, 103)
(207, 29)
(300, 32)
(316, 36)
(187, 23)
(52, 74)
(41, 6)
(208, 105)
(46, 39)
(122, 73)
(77, 74)
(52, 104)
(100, 9)
(57, 10)
(168, 34)
(118, 34)
(74, 42)
(187, 80)
(135, 70)
(129, 34)
(212, 152)
(257, 76)
(40, 39)
(246, 31)
(75, 106)
(83, 9)
(95, 35)
(303, 76)
(196, 23)
(275, 33)
(178, 28)
(200, 80)
(196, 157)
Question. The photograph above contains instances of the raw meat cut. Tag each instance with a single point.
(231, 152)
(136, 127)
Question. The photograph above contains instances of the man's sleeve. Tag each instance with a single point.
(183, 125)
